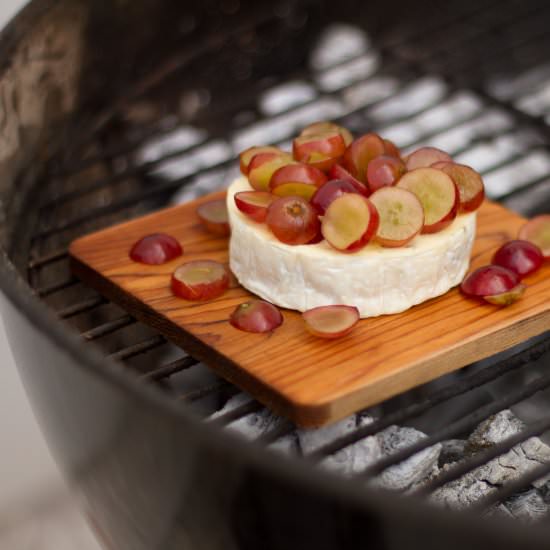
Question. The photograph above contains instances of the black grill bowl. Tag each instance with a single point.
(83, 85)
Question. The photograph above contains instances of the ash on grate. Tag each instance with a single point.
(489, 477)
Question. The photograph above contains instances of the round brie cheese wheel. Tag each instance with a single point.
(375, 279)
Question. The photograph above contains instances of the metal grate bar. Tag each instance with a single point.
(483, 457)
(139, 348)
(81, 307)
(469, 382)
(108, 328)
(511, 489)
(48, 259)
(56, 287)
(204, 391)
(171, 368)
(238, 412)
(467, 422)
(283, 428)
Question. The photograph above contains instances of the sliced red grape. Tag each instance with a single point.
(156, 249)
(522, 257)
(328, 192)
(537, 231)
(263, 166)
(383, 171)
(425, 157)
(213, 215)
(469, 183)
(246, 156)
(338, 172)
(298, 179)
(391, 149)
(506, 298)
(320, 150)
(292, 220)
(350, 222)
(437, 193)
(331, 321)
(401, 216)
(360, 152)
(488, 281)
(254, 204)
(256, 316)
(200, 280)
(326, 127)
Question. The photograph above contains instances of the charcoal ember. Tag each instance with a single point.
(413, 471)
(452, 450)
(528, 507)
(508, 467)
(254, 425)
(352, 459)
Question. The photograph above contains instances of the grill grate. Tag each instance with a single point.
(408, 90)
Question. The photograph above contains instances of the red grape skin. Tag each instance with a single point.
(256, 316)
(489, 280)
(156, 249)
(293, 220)
(519, 256)
(330, 191)
(384, 171)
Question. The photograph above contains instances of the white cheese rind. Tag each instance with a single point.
(376, 280)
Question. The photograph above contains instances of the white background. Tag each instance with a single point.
(36, 511)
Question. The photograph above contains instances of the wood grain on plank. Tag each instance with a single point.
(310, 380)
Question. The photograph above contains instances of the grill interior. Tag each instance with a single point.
(472, 81)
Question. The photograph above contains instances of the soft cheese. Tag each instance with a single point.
(376, 280)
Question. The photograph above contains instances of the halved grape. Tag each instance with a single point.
(338, 172)
(246, 156)
(401, 216)
(350, 222)
(298, 179)
(256, 316)
(328, 192)
(437, 193)
(332, 321)
(200, 280)
(488, 281)
(425, 157)
(506, 298)
(254, 204)
(320, 150)
(156, 249)
(360, 152)
(292, 220)
(469, 183)
(522, 257)
(213, 215)
(323, 127)
(383, 171)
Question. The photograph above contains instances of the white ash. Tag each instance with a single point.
(350, 460)
(412, 471)
(254, 425)
(210, 154)
(370, 91)
(347, 73)
(176, 140)
(284, 126)
(338, 43)
(417, 96)
(490, 122)
(508, 467)
(287, 95)
(514, 176)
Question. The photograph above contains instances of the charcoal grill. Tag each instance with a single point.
(113, 109)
